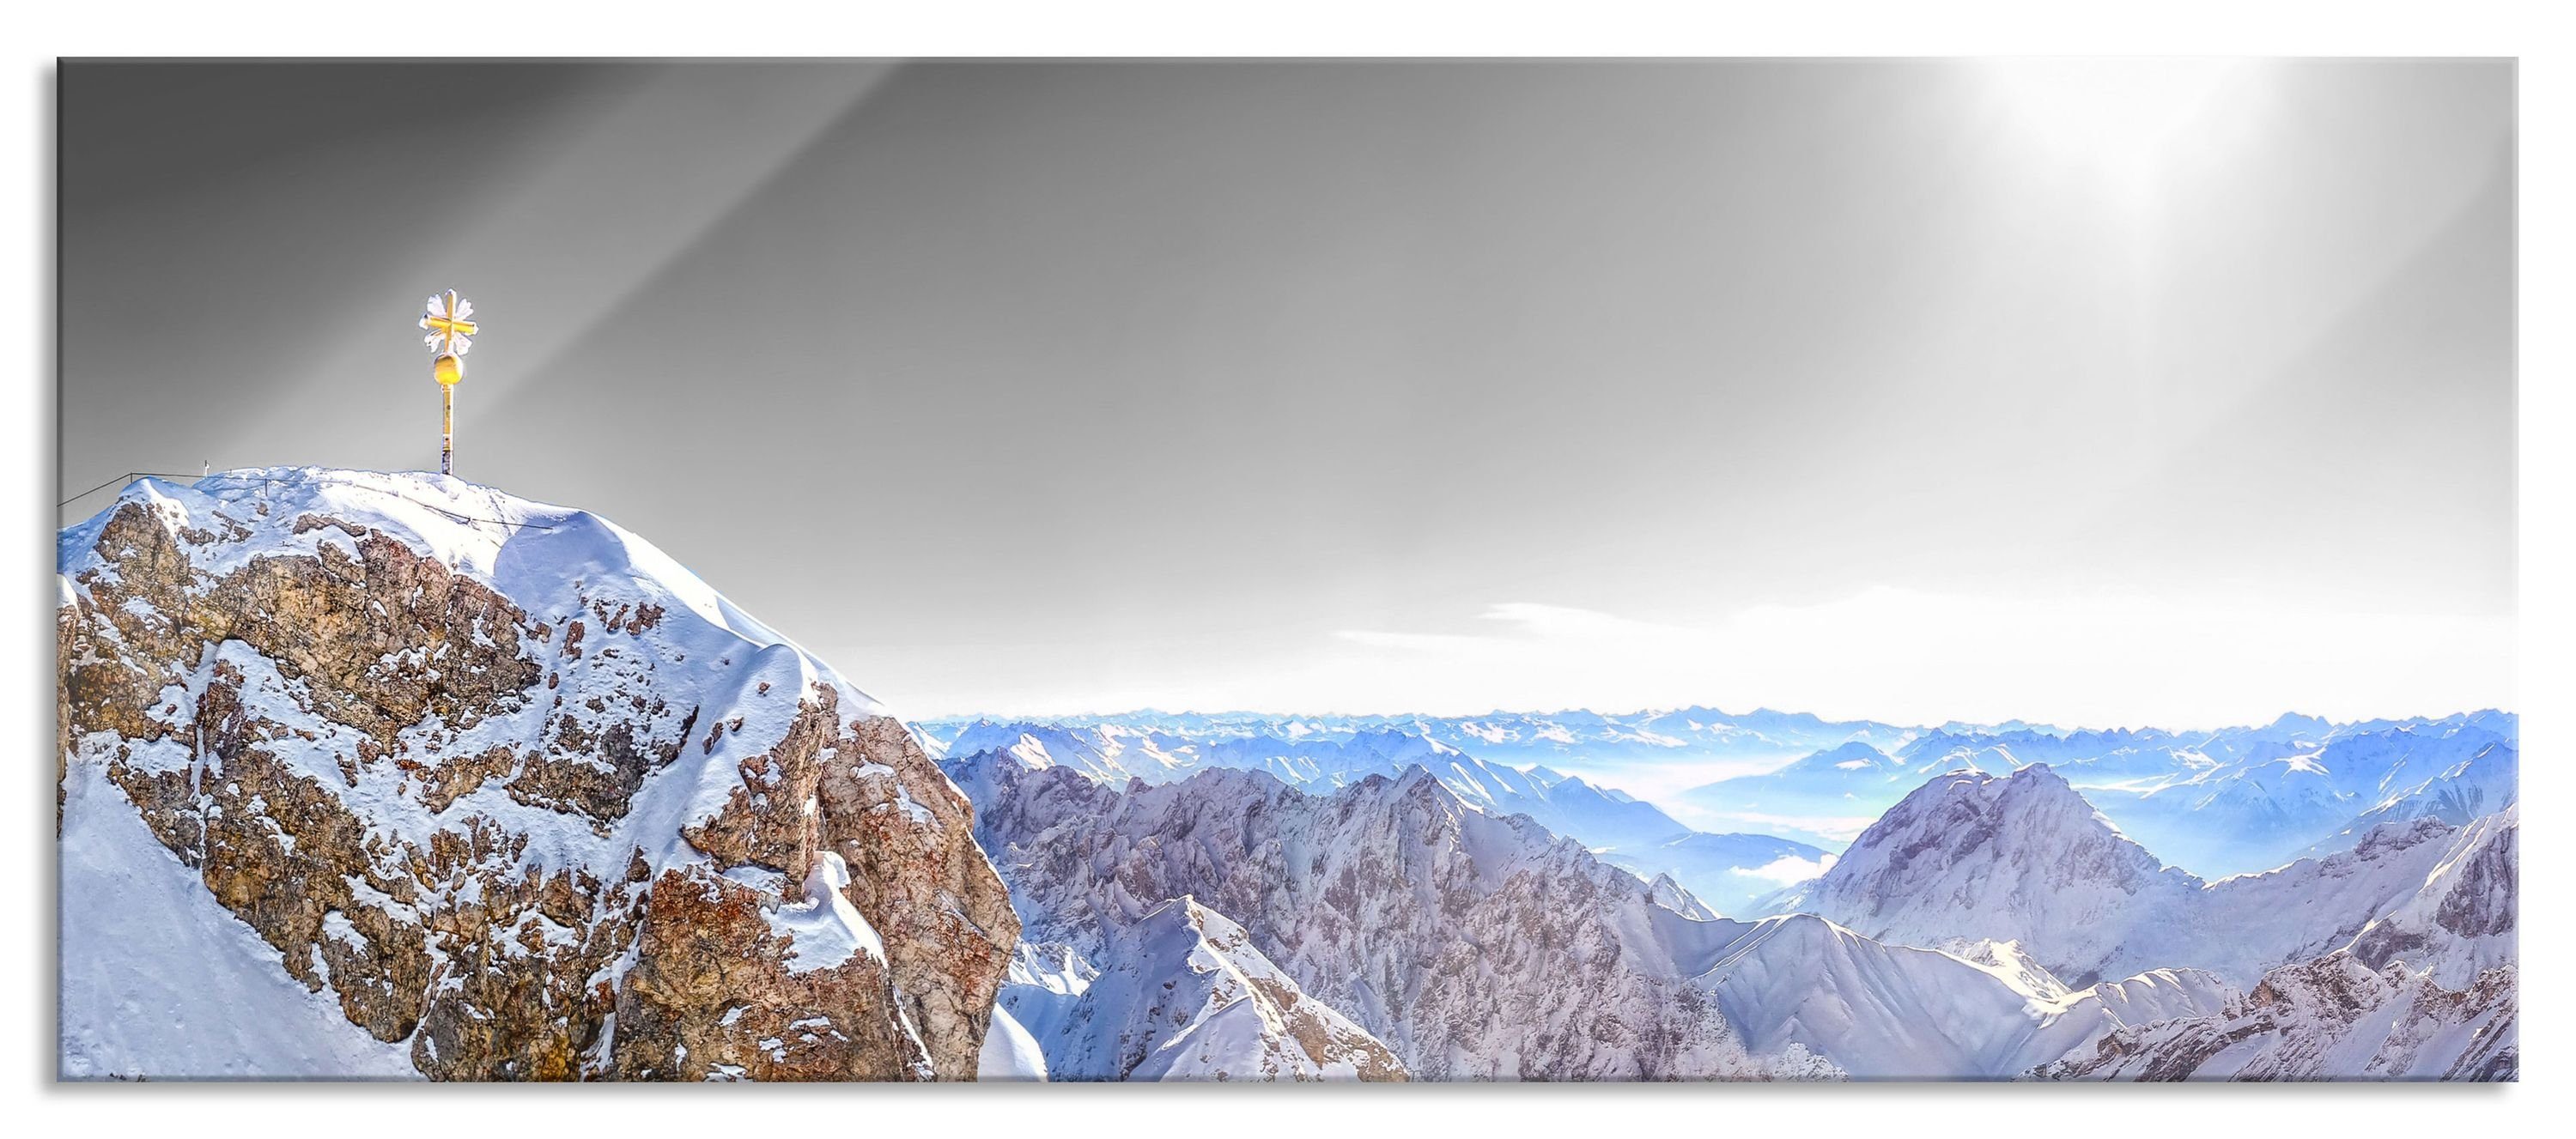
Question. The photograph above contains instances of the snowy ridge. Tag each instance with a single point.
(2462, 920)
(2329, 1019)
(532, 552)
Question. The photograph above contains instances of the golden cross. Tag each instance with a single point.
(448, 327)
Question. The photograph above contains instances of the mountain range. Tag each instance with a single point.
(1336, 888)
(1728, 871)
(2217, 802)
(2220, 802)
(391, 775)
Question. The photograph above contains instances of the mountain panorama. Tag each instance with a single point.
(396, 776)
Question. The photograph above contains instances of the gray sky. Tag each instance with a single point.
(2109, 392)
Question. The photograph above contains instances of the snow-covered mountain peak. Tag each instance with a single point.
(395, 723)
(1957, 813)
(1972, 856)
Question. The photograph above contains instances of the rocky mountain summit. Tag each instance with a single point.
(1970, 857)
(502, 792)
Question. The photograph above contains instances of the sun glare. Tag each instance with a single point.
(2129, 120)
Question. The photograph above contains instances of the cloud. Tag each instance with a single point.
(1832, 828)
(1788, 868)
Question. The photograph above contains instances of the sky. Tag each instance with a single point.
(2095, 391)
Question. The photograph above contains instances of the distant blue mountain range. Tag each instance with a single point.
(2217, 802)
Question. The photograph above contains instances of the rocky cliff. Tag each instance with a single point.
(505, 787)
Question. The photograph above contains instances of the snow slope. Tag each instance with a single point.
(1182, 994)
(1010, 1053)
(157, 979)
(1882, 1011)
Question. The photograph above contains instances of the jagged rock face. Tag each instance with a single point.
(577, 827)
(1183, 994)
(2481, 903)
(2460, 922)
(1475, 947)
(2332, 1018)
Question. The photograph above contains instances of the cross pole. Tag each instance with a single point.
(447, 318)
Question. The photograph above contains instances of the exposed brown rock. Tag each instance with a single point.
(706, 998)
